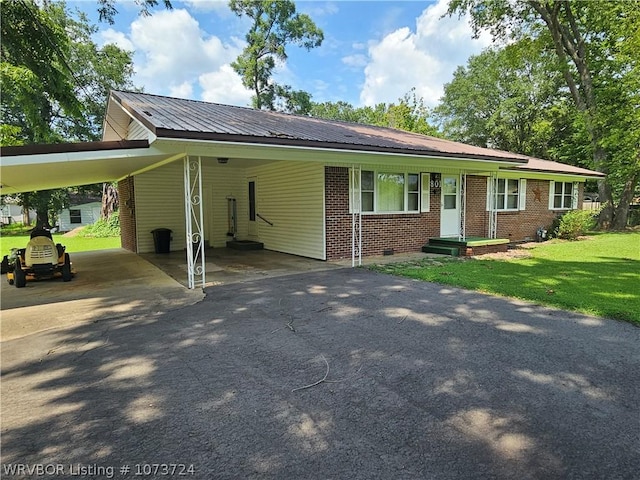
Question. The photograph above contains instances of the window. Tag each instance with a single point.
(75, 216)
(563, 195)
(509, 194)
(389, 192)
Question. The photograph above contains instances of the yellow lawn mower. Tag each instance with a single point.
(41, 259)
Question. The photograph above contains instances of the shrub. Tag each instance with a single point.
(103, 228)
(575, 223)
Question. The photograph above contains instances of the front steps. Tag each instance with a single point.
(465, 248)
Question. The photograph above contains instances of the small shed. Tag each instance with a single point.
(79, 216)
(13, 213)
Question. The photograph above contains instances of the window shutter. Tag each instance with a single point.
(490, 194)
(425, 192)
(522, 191)
(552, 188)
(574, 200)
(354, 190)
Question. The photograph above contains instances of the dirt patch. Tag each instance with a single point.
(74, 232)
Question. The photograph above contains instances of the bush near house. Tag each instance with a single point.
(575, 223)
(103, 228)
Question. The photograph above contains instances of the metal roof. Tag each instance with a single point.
(170, 117)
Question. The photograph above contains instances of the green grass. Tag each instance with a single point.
(73, 244)
(599, 275)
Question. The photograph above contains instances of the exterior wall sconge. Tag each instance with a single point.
(223, 160)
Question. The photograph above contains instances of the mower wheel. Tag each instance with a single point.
(66, 268)
(19, 275)
(4, 265)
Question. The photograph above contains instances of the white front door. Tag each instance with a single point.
(253, 212)
(450, 206)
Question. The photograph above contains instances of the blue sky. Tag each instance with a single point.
(374, 51)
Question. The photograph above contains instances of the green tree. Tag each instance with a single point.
(275, 25)
(505, 98)
(595, 44)
(107, 9)
(56, 82)
(409, 113)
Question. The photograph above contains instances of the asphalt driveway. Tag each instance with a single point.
(344, 374)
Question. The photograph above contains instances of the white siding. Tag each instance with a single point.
(291, 195)
(89, 214)
(218, 183)
(160, 204)
(136, 131)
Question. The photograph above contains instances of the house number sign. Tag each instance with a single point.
(435, 182)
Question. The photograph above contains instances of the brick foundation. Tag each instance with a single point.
(483, 249)
(127, 214)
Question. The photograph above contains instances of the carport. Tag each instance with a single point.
(109, 284)
(43, 167)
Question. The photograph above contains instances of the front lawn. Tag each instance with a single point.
(73, 244)
(599, 275)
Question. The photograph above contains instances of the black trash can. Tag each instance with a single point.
(162, 240)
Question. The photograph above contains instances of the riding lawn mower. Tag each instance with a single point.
(42, 258)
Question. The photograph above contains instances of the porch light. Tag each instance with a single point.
(223, 160)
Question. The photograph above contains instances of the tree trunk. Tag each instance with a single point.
(621, 213)
(109, 200)
(42, 219)
(26, 215)
(606, 201)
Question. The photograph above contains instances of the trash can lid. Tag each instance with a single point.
(160, 230)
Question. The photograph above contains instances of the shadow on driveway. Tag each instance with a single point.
(423, 381)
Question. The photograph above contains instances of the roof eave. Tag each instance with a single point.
(585, 173)
(43, 149)
(295, 142)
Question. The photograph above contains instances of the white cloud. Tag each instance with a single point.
(424, 59)
(116, 38)
(184, 90)
(355, 61)
(173, 55)
(224, 86)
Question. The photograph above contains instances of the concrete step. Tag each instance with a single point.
(442, 250)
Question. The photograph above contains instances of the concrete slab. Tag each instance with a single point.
(340, 374)
(108, 284)
(224, 266)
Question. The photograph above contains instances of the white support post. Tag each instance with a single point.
(194, 223)
(463, 206)
(356, 215)
(493, 204)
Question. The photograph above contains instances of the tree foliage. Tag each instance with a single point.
(55, 81)
(275, 25)
(107, 8)
(505, 98)
(408, 113)
(595, 45)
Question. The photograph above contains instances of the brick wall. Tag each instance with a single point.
(516, 226)
(402, 233)
(477, 217)
(127, 214)
(522, 225)
(409, 232)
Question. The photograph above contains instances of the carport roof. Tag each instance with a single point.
(40, 167)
